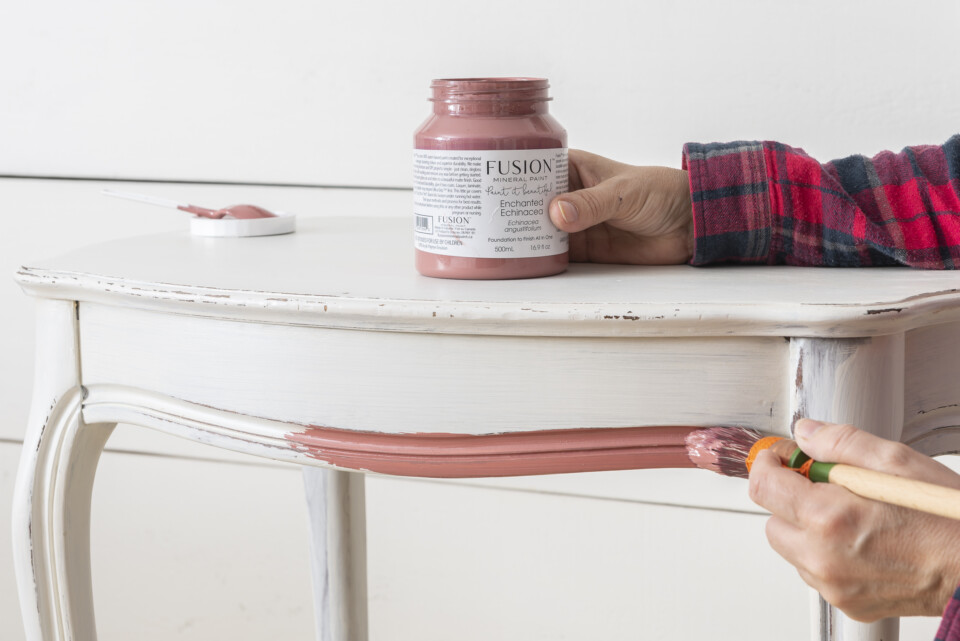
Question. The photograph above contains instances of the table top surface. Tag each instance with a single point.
(358, 272)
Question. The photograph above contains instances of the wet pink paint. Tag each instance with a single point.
(490, 114)
(239, 212)
(723, 449)
(490, 455)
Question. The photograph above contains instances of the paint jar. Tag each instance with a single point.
(486, 164)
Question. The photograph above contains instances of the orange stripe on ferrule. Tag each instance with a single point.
(765, 443)
(805, 468)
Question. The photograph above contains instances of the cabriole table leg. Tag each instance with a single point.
(857, 381)
(51, 503)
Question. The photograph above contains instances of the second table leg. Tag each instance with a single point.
(338, 559)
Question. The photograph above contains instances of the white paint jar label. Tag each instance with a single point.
(488, 204)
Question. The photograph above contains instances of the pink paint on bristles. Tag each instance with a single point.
(722, 449)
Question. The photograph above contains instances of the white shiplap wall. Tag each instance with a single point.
(319, 92)
(322, 94)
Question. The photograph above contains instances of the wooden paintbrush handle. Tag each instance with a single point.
(896, 490)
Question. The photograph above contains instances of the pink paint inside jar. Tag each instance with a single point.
(487, 162)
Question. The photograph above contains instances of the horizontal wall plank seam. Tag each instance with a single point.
(577, 495)
(476, 486)
(228, 183)
(181, 457)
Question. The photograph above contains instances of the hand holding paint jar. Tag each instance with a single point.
(620, 213)
(486, 165)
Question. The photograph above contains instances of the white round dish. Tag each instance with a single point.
(282, 223)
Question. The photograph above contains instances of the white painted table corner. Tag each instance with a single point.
(325, 346)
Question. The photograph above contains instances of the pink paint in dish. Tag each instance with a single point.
(487, 162)
(240, 212)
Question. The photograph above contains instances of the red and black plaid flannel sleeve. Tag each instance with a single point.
(768, 203)
(950, 623)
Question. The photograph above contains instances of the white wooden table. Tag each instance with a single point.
(262, 345)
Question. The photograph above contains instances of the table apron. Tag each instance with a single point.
(398, 382)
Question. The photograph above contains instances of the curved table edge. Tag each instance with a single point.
(417, 455)
(473, 317)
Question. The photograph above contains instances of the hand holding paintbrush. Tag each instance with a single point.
(868, 558)
(734, 449)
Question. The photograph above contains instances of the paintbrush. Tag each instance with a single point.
(731, 451)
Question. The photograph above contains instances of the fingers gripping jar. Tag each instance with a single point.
(486, 164)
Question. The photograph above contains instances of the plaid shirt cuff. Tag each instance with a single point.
(732, 213)
(768, 203)
(950, 624)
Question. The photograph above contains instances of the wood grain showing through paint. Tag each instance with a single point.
(488, 455)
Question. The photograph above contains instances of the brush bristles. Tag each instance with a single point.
(722, 449)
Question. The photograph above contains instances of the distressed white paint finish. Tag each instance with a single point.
(417, 382)
(154, 330)
(358, 273)
(932, 394)
(51, 515)
(335, 500)
(231, 432)
(109, 127)
(219, 428)
(338, 560)
(80, 216)
(861, 382)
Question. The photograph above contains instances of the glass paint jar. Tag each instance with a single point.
(487, 162)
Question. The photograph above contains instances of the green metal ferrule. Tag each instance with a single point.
(797, 459)
(820, 472)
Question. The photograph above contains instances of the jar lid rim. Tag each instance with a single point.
(478, 89)
(517, 79)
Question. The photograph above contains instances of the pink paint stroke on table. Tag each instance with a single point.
(488, 455)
